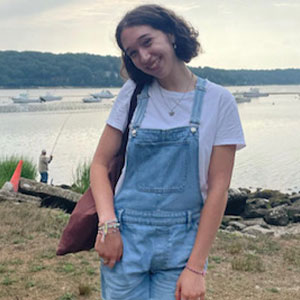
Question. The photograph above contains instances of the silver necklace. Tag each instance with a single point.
(171, 110)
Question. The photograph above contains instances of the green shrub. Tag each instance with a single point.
(9, 164)
(248, 263)
(292, 256)
(84, 289)
(81, 177)
(67, 296)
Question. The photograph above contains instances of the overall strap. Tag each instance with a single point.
(132, 107)
(198, 100)
(141, 107)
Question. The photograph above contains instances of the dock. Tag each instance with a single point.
(263, 94)
(284, 93)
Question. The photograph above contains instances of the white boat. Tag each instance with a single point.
(252, 93)
(103, 94)
(92, 100)
(255, 93)
(242, 99)
(24, 98)
(49, 97)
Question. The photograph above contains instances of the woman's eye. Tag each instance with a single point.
(147, 42)
(132, 54)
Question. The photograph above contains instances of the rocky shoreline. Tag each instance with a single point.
(263, 212)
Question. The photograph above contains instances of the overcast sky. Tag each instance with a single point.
(235, 34)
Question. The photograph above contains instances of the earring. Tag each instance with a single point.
(174, 46)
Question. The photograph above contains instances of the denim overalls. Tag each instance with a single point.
(158, 206)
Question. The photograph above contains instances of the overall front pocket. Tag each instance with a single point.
(161, 167)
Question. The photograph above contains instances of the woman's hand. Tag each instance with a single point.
(111, 249)
(190, 286)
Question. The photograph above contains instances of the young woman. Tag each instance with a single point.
(155, 233)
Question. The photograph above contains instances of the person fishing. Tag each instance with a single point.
(156, 230)
(44, 161)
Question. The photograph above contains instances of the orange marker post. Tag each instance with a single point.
(16, 176)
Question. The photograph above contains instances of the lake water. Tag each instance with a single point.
(271, 126)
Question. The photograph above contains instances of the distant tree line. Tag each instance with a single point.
(34, 69)
(249, 77)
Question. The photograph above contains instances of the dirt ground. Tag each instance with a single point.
(265, 268)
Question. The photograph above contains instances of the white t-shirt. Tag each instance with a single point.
(219, 124)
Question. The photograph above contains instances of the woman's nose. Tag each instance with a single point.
(144, 55)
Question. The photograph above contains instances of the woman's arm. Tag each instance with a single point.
(190, 285)
(109, 144)
(219, 176)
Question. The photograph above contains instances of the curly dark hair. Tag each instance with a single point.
(165, 20)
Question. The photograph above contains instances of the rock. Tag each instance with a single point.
(291, 229)
(256, 208)
(227, 219)
(256, 221)
(8, 187)
(296, 218)
(237, 225)
(293, 211)
(230, 228)
(294, 198)
(257, 230)
(238, 233)
(18, 197)
(65, 186)
(276, 198)
(33, 187)
(51, 195)
(277, 216)
(236, 202)
(222, 226)
(268, 194)
(280, 201)
(247, 191)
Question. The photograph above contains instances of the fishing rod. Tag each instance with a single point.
(61, 129)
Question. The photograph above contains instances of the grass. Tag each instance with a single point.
(292, 256)
(84, 290)
(9, 164)
(30, 268)
(239, 267)
(67, 296)
(248, 263)
(81, 177)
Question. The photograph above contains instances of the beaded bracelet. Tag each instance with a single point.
(202, 273)
(103, 229)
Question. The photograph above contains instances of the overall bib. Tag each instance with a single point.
(158, 207)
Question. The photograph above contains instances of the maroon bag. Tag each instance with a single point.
(81, 231)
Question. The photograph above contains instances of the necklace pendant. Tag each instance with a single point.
(171, 113)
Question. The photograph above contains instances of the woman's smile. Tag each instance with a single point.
(153, 65)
